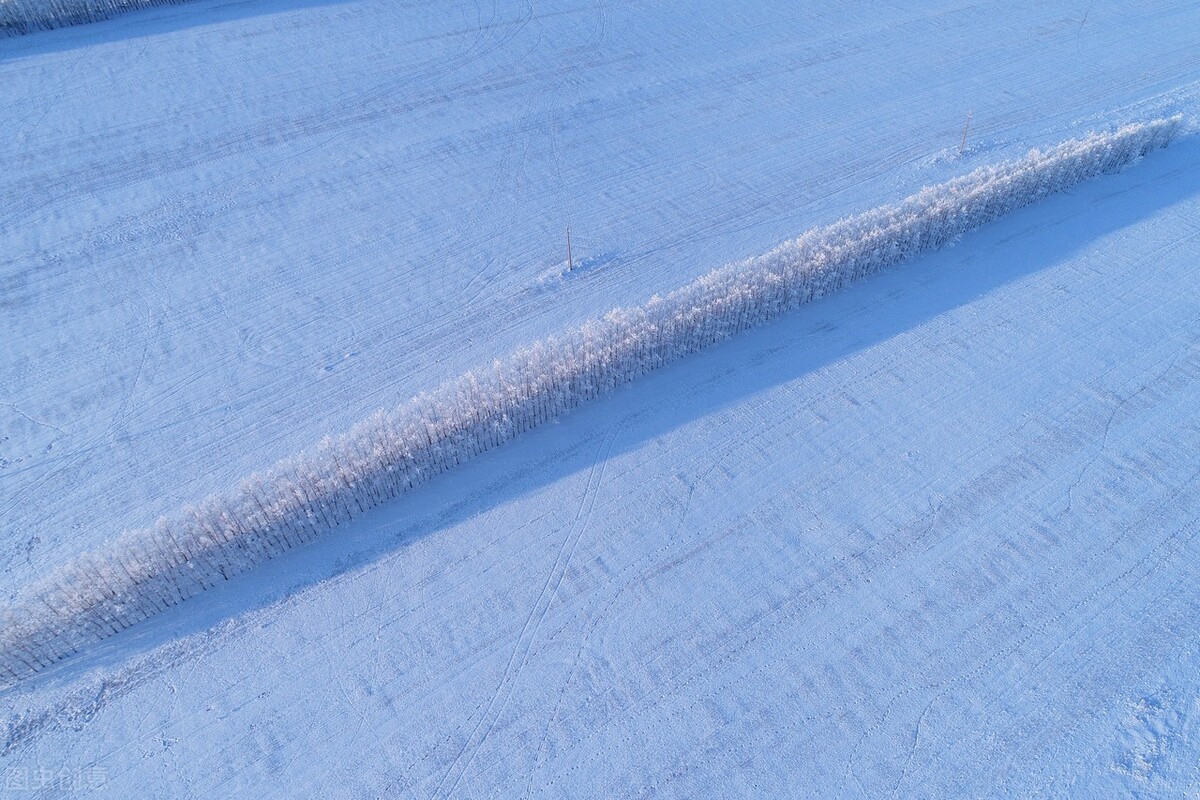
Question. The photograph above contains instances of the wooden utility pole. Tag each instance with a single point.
(570, 262)
(963, 144)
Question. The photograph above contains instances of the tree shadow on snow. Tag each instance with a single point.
(787, 349)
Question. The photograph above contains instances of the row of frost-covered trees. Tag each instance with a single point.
(147, 570)
(25, 16)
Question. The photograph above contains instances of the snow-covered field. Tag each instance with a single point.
(933, 536)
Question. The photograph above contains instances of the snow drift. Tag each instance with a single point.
(145, 571)
(26, 16)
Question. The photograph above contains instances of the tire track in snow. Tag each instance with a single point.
(537, 616)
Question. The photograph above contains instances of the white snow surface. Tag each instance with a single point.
(144, 571)
(933, 536)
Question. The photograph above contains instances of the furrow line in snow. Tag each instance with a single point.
(148, 570)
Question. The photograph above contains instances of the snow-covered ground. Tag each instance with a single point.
(934, 536)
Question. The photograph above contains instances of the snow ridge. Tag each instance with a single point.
(26, 16)
(148, 570)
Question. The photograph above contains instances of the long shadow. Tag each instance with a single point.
(819, 334)
(150, 21)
